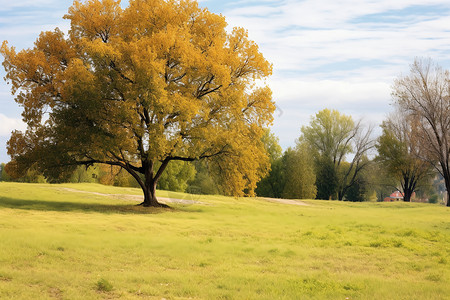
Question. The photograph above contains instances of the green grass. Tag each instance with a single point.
(57, 243)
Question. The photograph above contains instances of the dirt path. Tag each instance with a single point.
(285, 201)
(140, 198)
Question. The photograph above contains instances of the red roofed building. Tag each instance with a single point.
(397, 196)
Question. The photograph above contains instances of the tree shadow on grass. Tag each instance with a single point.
(67, 206)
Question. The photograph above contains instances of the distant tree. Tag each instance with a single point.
(204, 181)
(362, 144)
(4, 176)
(366, 184)
(326, 178)
(379, 180)
(273, 183)
(332, 137)
(139, 87)
(32, 174)
(83, 174)
(300, 178)
(114, 175)
(424, 96)
(177, 176)
(399, 154)
(438, 184)
(357, 192)
(272, 145)
(107, 174)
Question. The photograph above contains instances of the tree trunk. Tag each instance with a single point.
(149, 188)
(446, 175)
(409, 185)
(447, 186)
(407, 195)
(407, 190)
(150, 199)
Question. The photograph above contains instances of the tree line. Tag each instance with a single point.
(160, 94)
(318, 167)
(338, 158)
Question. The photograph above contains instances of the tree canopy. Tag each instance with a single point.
(300, 178)
(139, 87)
(291, 176)
(272, 185)
(332, 137)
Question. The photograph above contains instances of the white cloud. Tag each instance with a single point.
(9, 124)
(303, 34)
(326, 92)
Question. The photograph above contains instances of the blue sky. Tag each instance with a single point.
(340, 55)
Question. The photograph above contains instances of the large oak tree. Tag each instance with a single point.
(139, 87)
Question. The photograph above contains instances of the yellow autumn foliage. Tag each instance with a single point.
(159, 80)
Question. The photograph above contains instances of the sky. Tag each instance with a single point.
(341, 55)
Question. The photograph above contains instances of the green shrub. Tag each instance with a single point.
(433, 198)
(103, 285)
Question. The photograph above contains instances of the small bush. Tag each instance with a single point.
(104, 285)
(433, 198)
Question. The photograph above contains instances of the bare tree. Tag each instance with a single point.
(424, 95)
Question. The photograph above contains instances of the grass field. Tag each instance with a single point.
(74, 241)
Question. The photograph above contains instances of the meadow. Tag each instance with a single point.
(87, 241)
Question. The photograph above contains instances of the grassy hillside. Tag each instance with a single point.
(89, 241)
